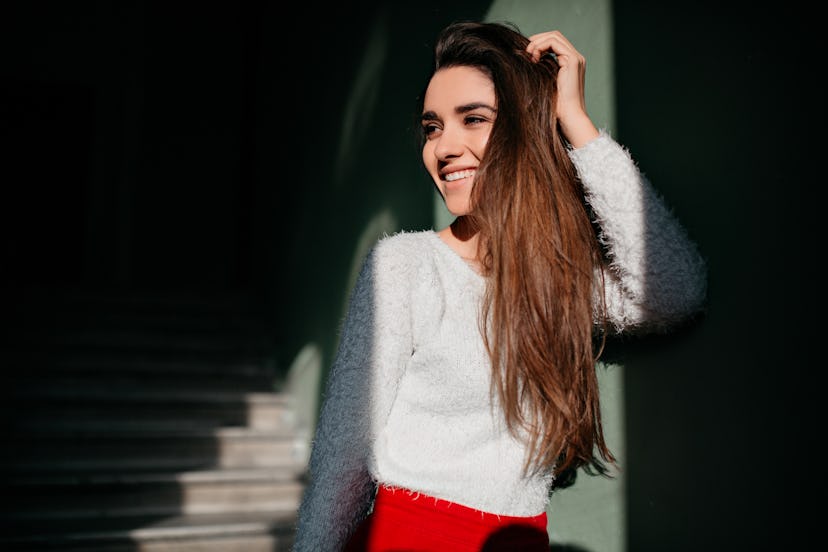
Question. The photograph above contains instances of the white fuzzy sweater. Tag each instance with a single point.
(408, 400)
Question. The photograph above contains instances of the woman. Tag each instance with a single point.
(465, 378)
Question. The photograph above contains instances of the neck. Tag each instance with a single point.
(463, 238)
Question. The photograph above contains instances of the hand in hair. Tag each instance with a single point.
(571, 106)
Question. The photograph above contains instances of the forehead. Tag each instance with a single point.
(457, 86)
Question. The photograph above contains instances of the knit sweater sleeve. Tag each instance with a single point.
(654, 276)
(374, 345)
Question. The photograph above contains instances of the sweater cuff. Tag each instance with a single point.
(596, 143)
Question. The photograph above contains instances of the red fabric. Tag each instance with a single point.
(406, 521)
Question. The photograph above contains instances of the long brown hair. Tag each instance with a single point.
(539, 252)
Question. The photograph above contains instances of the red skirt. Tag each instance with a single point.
(403, 520)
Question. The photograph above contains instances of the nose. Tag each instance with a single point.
(449, 144)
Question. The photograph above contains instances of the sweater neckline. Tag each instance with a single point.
(455, 257)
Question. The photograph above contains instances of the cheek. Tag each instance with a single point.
(480, 147)
(429, 160)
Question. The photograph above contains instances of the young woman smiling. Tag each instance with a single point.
(465, 378)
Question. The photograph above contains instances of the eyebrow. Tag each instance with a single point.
(460, 109)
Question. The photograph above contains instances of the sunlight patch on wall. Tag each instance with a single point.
(302, 389)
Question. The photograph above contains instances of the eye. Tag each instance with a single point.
(474, 119)
(430, 129)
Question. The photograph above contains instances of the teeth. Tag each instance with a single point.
(459, 174)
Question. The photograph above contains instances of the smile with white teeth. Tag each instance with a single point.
(459, 174)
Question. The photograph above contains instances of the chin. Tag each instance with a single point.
(457, 211)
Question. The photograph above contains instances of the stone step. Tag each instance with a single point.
(168, 319)
(172, 323)
(83, 414)
(145, 422)
(38, 301)
(182, 395)
(176, 449)
(33, 382)
(64, 396)
(248, 532)
(140, 363)
(127, 419)
(54, 497)
(79, 339)
(256, 371)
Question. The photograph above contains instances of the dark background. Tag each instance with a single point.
(192, 149)
(721, 102)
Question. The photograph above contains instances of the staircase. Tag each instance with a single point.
(145, 424)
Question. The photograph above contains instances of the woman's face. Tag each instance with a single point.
(458, 112)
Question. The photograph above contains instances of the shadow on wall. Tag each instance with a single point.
(737, 387)
(520, 537)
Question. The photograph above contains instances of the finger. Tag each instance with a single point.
(550, 45)
(565, 54)
(556, 43)
(557, 34)
(552, 41)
